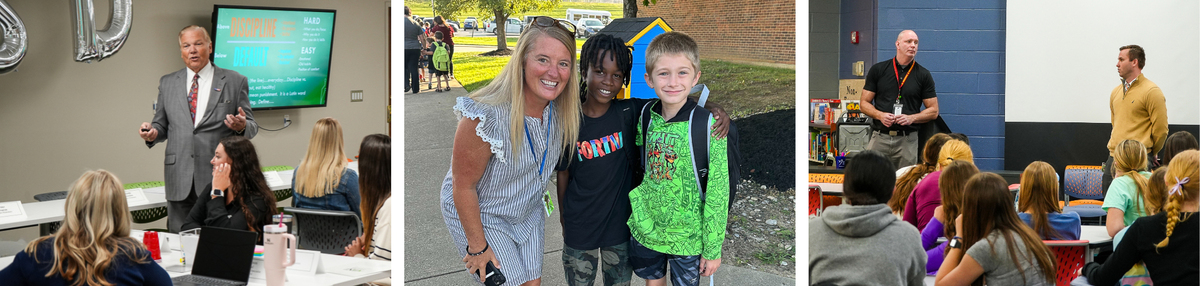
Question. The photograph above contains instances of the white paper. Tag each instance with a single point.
(155, 190)
(135, 197)
(273, 178)
(306, 262)
(12, 209)
(356, 269)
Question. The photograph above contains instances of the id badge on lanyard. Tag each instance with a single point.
(547, 202)
(899, 107)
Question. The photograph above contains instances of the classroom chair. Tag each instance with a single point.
(326, 231)
(827, 200)
(151, 214)
(50, 227)
(1084, 182)
(814, 201)
(284, 194)
(1070, 256)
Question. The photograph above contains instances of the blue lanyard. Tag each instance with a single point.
(550, 122)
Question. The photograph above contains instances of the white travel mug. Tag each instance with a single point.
(275, 249)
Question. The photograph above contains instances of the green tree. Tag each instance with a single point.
(500, 9)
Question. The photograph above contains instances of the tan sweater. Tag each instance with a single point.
(1139, 114)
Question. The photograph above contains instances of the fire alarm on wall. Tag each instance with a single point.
(854, 37)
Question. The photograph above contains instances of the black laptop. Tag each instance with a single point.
(223, 257)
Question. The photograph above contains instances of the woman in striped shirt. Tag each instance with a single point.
(510, 135)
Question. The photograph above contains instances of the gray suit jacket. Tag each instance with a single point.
(188, 155)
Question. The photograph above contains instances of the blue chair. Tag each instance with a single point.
(1084, 183)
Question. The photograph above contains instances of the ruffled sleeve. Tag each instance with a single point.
(493, 123)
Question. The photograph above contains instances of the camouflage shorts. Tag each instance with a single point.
(580, 265)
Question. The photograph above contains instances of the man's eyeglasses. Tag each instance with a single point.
(547, 22)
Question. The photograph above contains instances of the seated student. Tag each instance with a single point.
(1038, 204)
(918, 210)
(375, 161)
(322, 180)
(862, 243)
(951, 183)
(1178, 142)
(1128, 197)
(913, 174)
(1167, 241)
(994, 244)
(92, 247)
(239, 196)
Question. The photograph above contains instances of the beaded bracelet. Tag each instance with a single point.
(468, 249)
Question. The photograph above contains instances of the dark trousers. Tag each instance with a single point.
(177, 211)
(412, 74)
(1108, 172)
(450, 51)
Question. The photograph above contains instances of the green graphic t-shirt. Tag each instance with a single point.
(668, 214)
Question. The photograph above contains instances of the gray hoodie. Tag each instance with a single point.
(864, 245)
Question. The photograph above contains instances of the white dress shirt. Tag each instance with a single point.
(202, 90)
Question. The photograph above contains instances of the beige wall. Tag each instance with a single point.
(59, 117)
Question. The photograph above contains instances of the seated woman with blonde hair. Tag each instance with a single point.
(322, 180)
(92, 247)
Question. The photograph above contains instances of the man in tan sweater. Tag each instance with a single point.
(1139, 110)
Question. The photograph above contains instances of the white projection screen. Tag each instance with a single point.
(1061, 56)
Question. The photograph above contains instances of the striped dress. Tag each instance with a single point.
(510, 191)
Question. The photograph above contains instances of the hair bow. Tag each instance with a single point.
(1178, 185)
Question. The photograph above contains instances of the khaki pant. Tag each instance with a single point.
(900, 149)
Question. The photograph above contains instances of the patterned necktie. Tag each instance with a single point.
(192, 96)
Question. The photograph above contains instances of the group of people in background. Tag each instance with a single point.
(427, 48)
(228, 190)
(893, 221)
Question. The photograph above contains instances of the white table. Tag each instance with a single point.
(832, 189)
(53, 211)
(170, 260)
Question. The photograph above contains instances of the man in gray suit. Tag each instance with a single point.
(197, 106)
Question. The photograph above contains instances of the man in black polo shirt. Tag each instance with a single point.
(893, 94)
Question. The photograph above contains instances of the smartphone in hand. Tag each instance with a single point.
(493, 276)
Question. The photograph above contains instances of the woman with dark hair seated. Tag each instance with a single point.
(238, 197)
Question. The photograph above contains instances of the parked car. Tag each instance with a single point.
(513, 26)
(454, 24)
(588, 27)
(470, 24)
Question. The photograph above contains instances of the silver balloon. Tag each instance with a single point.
(13, 41)
(97, 45)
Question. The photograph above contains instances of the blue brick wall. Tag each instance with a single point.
(857, 15)
(962, 44)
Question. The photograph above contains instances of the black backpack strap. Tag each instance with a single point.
(644, 120)
(699, 124)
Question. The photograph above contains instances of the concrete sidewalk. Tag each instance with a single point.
(430, 257)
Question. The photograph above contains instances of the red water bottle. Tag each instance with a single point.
(150, 239)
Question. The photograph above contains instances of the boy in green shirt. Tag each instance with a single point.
(672, 221)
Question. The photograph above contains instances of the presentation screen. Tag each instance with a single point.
(283, 52)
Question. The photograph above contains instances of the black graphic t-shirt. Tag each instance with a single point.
(596, 205)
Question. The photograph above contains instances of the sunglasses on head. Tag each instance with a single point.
(547, 22)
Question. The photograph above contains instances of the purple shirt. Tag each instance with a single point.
(925, 197)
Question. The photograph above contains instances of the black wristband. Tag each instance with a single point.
(468, 249)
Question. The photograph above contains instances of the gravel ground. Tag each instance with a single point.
(762, 230)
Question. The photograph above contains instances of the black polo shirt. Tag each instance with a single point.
(882, 80)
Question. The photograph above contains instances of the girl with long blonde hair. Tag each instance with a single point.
(322, 180)
(907, 182)
(919, 207)
(1129, 197)
(510, 136)
(1167, 241)
(92, 247)
(993, 243)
